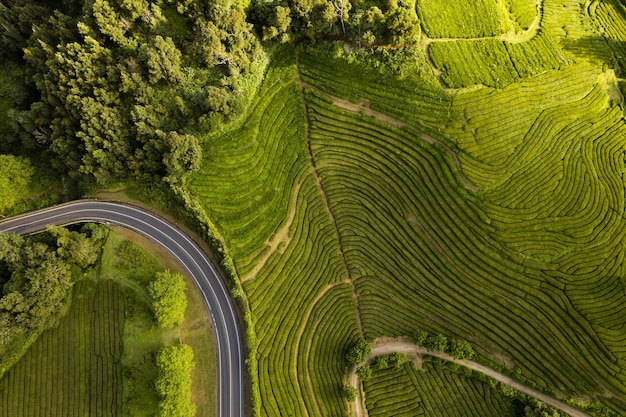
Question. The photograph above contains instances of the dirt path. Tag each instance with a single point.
(409, 348)
(280, 239)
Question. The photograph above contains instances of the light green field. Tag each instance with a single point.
(75, 369)
(463, 19)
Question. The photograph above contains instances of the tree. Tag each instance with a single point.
(173, 382)
(437, 343)
(420, 337)
(461, 349)
(75, 247)
(397, 359)
(381, 363)
(358, 352)
(364, 373)
(163, 60)
(15, 175)
(349, 393)
(37, 289)
(183, 154)
(170, 302)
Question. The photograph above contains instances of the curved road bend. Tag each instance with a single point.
(229, 343)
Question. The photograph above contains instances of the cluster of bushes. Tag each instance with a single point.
(459, 349)
(394, 360)
(169, 299)
(394, 22)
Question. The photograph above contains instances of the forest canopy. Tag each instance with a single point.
(117, 89)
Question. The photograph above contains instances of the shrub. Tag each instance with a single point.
(349, 393)
(358, 352)
(364, 373)
(174, 381)
(170, 301)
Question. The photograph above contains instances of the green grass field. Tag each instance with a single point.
(100, 360)
(356, 204)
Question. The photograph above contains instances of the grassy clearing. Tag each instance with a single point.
(433, 390)
(100, 360)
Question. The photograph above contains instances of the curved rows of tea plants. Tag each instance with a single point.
(379, 208)
(411, 100)
(295, 287)
(330, 331)
(610, 21)
(496, 122)
(60, 374)
(253, 165)
(281, 298)
(412, 239)
(492, 62)
(523, 12)
(432, 391)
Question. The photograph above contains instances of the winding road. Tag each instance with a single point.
(228, 339)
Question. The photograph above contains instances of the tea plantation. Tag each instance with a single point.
(480, 196)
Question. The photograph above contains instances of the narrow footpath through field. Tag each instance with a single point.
(409, 348)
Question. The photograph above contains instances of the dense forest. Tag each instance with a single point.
(108, 90)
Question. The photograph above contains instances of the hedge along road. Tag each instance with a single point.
(228, 340)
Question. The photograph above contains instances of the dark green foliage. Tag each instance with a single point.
(174, 381)
(349, 393)
(460, 349)
(395, 23)
(33, 297)
(114, 95)
(169, 298)
(75, 247)
(358, 352)
(394, 360)
(420, 337)
(364, 373)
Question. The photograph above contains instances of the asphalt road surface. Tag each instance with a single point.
(228, 340)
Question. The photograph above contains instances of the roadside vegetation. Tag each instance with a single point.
(103, 351)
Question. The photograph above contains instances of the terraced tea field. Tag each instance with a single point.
(74, 370)
(432, 391)
(368, 206)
